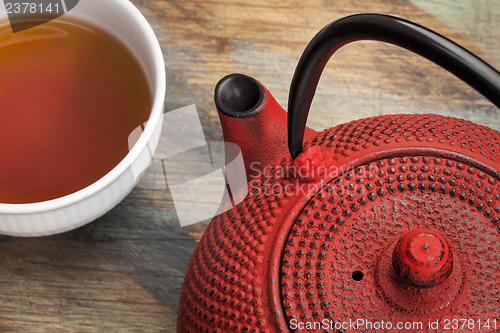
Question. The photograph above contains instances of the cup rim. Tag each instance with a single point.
(155, 115)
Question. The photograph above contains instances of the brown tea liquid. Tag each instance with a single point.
(70, 95)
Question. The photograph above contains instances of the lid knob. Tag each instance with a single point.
(423, 258)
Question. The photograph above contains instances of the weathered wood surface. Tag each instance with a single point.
(123, 273)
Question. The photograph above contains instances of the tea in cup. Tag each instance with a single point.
(71, 91)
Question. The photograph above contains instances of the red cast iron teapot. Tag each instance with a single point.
(388, 223)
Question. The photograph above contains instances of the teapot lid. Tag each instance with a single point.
(358, 251)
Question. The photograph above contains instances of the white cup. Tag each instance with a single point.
(124, 21)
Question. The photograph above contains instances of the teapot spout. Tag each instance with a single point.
(251, 118)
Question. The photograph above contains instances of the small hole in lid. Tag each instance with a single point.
(357, 275)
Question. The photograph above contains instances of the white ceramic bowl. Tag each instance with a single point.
(124, 21)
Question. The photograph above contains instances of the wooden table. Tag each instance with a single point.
(123, 272)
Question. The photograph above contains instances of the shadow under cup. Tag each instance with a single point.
(72, 90)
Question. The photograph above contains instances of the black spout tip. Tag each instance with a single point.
(238, 95)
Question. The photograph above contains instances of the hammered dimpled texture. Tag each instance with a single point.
(410, 130)
(401, 172)
(347, 227)
(225, 286)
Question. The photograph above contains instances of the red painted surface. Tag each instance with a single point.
(300, 250)
(309, 166)
(262, 136)
(423, 258)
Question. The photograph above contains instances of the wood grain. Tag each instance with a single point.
(123, 272)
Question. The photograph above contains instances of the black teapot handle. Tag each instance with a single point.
(418, 39)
